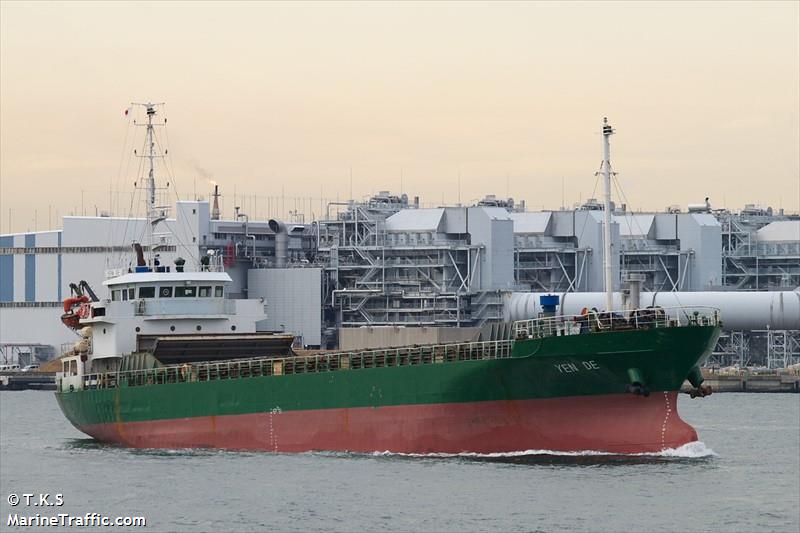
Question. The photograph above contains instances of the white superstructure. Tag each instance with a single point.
(150, 304)
(150, 299)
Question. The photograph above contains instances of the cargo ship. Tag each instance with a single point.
(166, 361)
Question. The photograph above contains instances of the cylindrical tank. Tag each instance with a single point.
(740, 310)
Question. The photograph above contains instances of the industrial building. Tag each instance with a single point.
(386, 263)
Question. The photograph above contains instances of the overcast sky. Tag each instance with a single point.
(276, 100)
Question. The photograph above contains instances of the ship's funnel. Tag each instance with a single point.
(139, 254)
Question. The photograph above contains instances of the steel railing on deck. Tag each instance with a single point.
(597, 322)
(278, 366)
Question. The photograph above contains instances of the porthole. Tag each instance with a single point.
(138, 329)
(172, 328)
(233, 328)
(199, 328)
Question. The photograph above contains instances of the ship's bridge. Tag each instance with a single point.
(148, 285)
(143, 306)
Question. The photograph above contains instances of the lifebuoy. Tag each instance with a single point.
(85, 310)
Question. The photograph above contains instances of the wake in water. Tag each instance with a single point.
(692, 450)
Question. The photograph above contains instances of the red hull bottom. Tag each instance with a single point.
(614, 423)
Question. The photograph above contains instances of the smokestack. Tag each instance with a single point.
(139, 254)
(215, 208)
(281, 242)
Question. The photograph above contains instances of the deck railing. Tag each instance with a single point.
(327, 362)
(599, 322)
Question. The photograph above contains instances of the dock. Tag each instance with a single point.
(750, 381)
(27, 381)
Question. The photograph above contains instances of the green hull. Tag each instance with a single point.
(547, 368)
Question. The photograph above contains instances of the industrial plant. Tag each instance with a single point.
(386, 271)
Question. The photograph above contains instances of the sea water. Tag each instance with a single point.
(744, 475)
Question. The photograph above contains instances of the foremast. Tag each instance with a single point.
(607, 172)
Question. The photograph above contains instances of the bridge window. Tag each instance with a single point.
(165, 292)
(131, 293)
(147, 292)
(70, 367)
(185, 292)
(218, 291)
(205, 292)
(114, 296)
(124, 294)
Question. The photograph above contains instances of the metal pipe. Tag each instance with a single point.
(247, 234)
(281, 242)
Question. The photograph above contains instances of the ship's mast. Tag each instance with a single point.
(151, 177)
(154, 213)
(606, 171)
